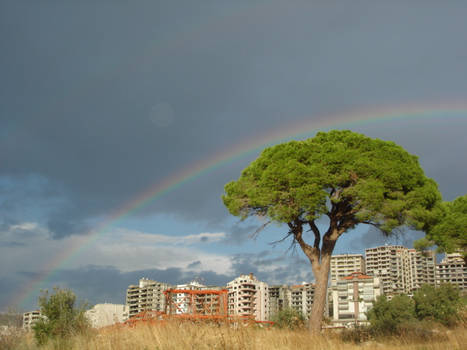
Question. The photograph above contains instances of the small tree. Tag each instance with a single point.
(387, 315)
(441, 304)
(61, 317)
(342, 178)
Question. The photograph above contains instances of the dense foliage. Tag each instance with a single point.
(439, 304)
(61, 316)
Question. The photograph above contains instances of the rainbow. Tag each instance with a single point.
(249, 147)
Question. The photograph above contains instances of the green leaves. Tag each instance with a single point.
(338, 173)
(441, 304)
(387, 315)
(61, 316)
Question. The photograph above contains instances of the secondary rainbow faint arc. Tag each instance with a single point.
(298, 130)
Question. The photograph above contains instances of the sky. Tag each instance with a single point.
(104, 101)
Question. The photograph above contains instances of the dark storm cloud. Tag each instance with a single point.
(104, 99)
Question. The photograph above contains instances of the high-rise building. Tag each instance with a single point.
(148, 295)
(102, 315)
(422, 268)
(248, 297)
(452, 269)
(353, 296)
(302, 297)
(401, 270)
(280, 298)
(344, 264)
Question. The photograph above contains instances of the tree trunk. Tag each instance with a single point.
(319, 301)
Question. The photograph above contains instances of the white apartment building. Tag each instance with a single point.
(147, 295)
(31, 317)
(452, 269)
(181, 298)
(280, 297)
(423, 268)
(401, 270)
(102, 315)
(352, 297)
(344, 264)
(248, 297)
(302, 297)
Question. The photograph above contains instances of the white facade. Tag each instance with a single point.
(452, 269)
(344, 264)
(148, 295)
(423, 268)
(248, 297)
(401, 270)
(302, 297)
(31, 317)
(353, 296)
(102, 315)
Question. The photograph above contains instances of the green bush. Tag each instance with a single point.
(441, 304)
(289, 318)
(61, 317)
(387, 315)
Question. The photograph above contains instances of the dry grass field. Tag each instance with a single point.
(183, 335)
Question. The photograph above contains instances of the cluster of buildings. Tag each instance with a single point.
(354, 284)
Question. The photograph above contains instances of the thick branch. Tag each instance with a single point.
(312, 253)
(316, 232)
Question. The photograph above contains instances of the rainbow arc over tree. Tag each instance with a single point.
(441, 111)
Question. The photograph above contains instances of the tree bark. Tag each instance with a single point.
(319, 301)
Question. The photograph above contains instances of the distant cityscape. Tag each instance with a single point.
(355, 281)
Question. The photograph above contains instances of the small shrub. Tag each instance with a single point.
(289, 318)
(61, 317)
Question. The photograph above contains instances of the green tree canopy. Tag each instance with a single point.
(344, 176)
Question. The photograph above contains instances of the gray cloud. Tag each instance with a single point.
(121, 107)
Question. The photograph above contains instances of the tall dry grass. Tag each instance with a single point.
(183, 335)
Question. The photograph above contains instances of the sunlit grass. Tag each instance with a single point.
(185, 335)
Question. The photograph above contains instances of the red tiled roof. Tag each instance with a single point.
(357, 275)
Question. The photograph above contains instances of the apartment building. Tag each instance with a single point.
(280, 297)
(147, 295)
(401, 270)
(249, 297)
(391, 264)
(29, 318)
(352, 296)
(344, 264)
(452, 269)
(422, 268)
(181, 299)
(102, 315)
(302, 297)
